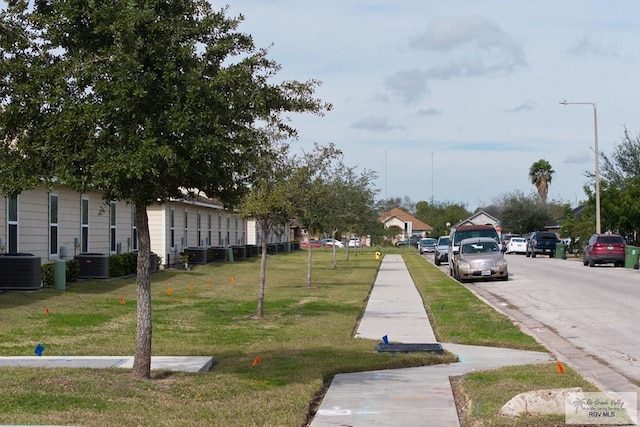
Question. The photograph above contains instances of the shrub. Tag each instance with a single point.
(47, 272)
(73, 270)
(122, 264)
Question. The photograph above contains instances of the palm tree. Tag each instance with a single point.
(541, 175)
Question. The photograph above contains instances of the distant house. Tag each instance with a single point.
(409, 224)
(59, 223)
(479, 218)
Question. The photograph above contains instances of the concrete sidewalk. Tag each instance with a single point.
(410, 396)
(167, 363)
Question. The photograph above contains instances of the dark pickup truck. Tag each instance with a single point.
(542, 242)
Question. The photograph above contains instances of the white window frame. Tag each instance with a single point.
(84, 225)
(113, 227)
(186, 228)
(11, 244)
(54, 214)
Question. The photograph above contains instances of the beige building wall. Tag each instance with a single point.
(34, 227)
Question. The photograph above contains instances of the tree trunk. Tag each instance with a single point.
(263, 272)
(310, 249)
(142, 359)
(335, 254)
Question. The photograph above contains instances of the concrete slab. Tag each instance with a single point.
(168, 363)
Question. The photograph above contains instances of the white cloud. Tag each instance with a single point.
(474, 47)
(585, 46)
(376, 124)
(408, 85)
(526, 106)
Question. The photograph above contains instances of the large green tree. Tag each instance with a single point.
(541, 174)
(623, 163)
(140, 100)
(439, 214)
(523, 214)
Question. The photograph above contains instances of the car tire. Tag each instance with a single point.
(552, 255)
(592, 263)
(505, 278)
(437, 262)
(585, 262)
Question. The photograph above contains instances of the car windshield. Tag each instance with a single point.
(428, 241)
(480, 247)
(611, 240)
(460, 235)
(443, 241)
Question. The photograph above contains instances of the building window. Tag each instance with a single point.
(134, 233)
(12, 224)
(84, 220)
(209, 229)
(172, 223)
(199, 225)
(53, 224)
(186, 228)
(112, 227)
(220, 243)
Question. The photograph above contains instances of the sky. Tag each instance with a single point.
(452, 102)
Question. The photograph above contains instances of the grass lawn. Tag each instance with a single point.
(305, 338)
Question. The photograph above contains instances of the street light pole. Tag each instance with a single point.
(597, 154)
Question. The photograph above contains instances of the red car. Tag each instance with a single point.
(604, 249)
(312, 243)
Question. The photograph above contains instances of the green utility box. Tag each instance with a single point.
(631, 257)
(60, 274)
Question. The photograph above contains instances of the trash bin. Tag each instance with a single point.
(378, 255)
(561, 251)
(631, 254)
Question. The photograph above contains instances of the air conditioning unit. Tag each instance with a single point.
(196, 255)
(93, 266)
(20, 271)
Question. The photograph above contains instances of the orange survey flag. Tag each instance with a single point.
(559, 367)
(256, 361)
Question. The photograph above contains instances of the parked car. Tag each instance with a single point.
(441, 253)
(354, 242)
(542, 242)
(427, 244)
(411, 241)
(332, 242)
(480, 258)
(311, 243)
(516, 245)
(465, 232)
(605, 249)
(506, 237)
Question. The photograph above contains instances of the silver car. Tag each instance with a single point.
(427, 244)
(441, 253)
(480, 258)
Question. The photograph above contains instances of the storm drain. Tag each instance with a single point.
(407, 348)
